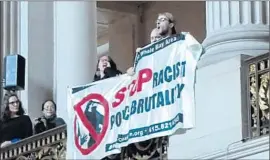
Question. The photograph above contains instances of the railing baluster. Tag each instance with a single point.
(15, 151)
(53, 138)
(10, 152)
(258, 100)
(6, 154)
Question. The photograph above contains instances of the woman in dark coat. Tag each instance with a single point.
(106, 68)
(49, 119)
(14, 124)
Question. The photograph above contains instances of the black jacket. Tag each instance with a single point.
(108, 73)
(18, 127)
(50, 124)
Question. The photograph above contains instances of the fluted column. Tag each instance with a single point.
(14, 27)
(3, 45)
(9, 34)
(236, 27)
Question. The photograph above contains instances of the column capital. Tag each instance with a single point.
(226, 15)
(236, 27)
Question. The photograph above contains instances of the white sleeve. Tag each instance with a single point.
(193, 46)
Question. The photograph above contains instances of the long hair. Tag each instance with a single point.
(113, 66)
(173, 28)
(7, 113)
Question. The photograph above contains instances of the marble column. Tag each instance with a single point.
(14, 39)
(9, 35)
(36, 35)
(235, 27)
(75, 41)
(4, 40)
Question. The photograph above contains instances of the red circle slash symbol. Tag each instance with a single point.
(97, 137)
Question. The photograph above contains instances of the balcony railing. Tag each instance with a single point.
(258, 95)
(47, 145)
(51, 145)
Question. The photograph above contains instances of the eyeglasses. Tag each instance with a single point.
(14, 102)
(162, 20)
(49, 108)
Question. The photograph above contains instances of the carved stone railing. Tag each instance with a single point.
(154, 149)
(47, 145)
(51, 145)
(258, 95)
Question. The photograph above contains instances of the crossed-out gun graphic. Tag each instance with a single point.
(95, 118)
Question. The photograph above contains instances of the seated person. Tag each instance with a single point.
(49, 119)
(14, 125)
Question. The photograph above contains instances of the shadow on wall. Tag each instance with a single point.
(41, 93)
(103, 49)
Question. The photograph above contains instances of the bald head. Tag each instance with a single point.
(154, 35)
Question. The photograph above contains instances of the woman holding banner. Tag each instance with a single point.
(106, 68)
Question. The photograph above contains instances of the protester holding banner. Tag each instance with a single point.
(165, 28)
(154, 36)
(165, 25)
(158, 102)
(151, 145)
(106, 68)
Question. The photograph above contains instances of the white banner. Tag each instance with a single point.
(158, 100)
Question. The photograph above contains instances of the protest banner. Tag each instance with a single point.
(157, 101)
